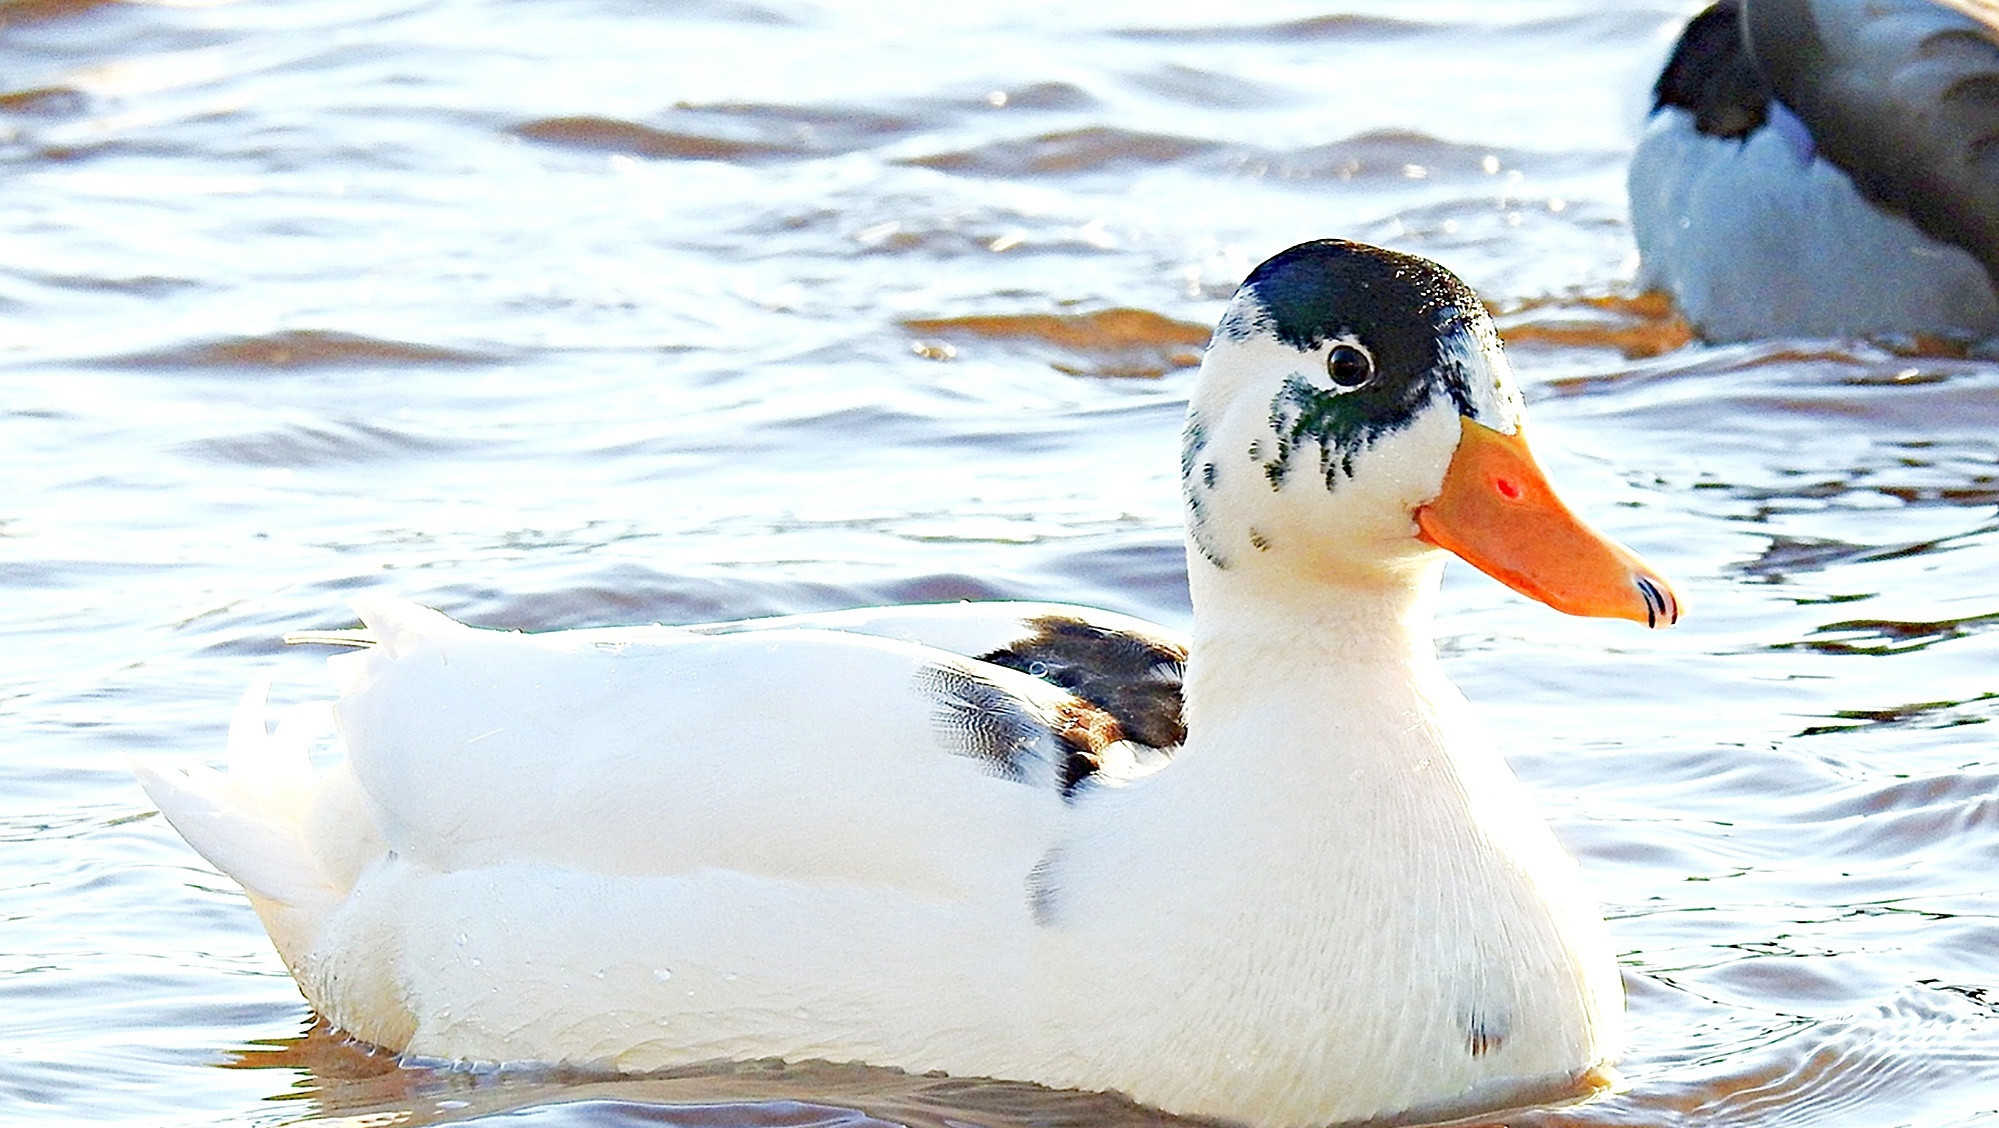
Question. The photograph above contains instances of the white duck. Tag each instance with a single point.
(1826, 168)
(947, 837)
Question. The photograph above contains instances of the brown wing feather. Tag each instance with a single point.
(1134, 678)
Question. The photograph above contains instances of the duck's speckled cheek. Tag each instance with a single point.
(1498, 512)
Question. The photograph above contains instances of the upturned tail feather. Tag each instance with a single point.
(255, 822)
(247, 822)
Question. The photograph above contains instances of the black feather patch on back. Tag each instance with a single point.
(1132, 677)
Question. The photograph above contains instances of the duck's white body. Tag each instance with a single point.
(1769, 234)
(849, 838)
(598, 850)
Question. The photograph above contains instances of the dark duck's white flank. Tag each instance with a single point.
(1826, 168)
(1274, 873)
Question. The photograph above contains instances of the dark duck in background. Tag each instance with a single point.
(1826, 168)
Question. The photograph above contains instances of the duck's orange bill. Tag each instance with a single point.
(1499, 513)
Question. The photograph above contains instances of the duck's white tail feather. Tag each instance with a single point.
(268, 770)
(256, 823)
(264, 857)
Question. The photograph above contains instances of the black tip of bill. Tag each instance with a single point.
(1659, 603)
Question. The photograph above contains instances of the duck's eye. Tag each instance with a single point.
(1349, 367)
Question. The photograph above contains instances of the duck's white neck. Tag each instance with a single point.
(1266, 640)
(1317, 713)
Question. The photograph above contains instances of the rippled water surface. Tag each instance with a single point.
(573, 312)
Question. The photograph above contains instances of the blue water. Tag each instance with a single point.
(591, 312)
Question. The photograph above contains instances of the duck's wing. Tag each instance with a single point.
(1125, 665)
(807, 754)
(1903, 95)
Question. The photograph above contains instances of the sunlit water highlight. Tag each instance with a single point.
(594, 311)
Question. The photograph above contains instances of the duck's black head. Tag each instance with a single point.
(1330, 354)
(1713, 76)
(1380, 336)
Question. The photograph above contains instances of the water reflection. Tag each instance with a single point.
(1925, 714)
(1798, 1069)
(1112, 342)
(342, 1081)
(1881, 636)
